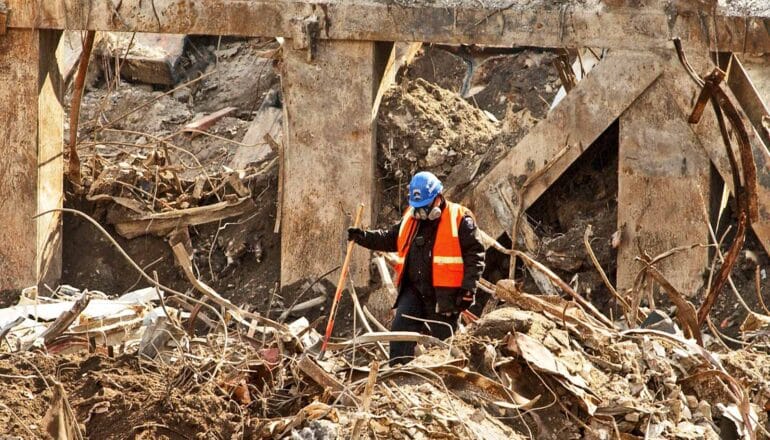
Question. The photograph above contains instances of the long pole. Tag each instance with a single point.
(340, 286)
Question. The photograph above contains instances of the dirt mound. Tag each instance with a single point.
(498, 83)
(424, 127)
(440, 67)
(526, 80)
(241, 77)
(112, 398)
(126, 129)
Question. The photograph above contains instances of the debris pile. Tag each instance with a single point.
(424, 127)
(184, 169)
(150, 194)
(540, 366)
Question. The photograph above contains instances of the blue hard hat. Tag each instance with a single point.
(423, 188)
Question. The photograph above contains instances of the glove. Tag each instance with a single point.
(445, 303)
(465, 299)
(355, 235)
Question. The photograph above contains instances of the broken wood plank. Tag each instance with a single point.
(660, 165)
(205, 122)
(68, 53)
(319, 376)
(747, 95)
(616, 24)
(360, 420)
(556, 142)
(165, 222)
(62, 323)
(401, 55)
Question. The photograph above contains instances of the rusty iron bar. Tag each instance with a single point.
(77, 96)
(745, 189)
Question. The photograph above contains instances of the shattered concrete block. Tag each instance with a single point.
(149, 58)
(317, 430)
(255, 149)
(705, 409)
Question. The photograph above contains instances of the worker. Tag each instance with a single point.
(440, 259)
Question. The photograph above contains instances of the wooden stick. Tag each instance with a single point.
(758, 284)
(77, 96)
(340, 285)
(607, 283)
(62, 323)
(366, 401)
(374, 320)
(362, 316)
(309, 304)
(387, 280)
(183, 258)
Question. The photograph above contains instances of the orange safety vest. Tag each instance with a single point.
(448, 269)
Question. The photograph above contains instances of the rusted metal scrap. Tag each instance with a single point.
(745, 188)
(686, 313)
(77, 96)
(3, 18)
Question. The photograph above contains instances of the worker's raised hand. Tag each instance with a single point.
(355, 235)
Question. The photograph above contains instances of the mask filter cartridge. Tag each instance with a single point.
(424, 214)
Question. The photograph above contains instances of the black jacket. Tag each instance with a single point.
(418, 269)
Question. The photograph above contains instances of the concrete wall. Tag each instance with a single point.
(31, 132)
(329, 157)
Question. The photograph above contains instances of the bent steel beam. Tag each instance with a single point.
(620, 24)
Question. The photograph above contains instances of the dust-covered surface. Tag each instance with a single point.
(111, 399)
(535, 368)
(424, 127)
(135, 152)
(539, 367)
(455, 114)
(621, 377)
(746, 8)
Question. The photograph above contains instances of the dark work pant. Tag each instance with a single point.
(411, 304)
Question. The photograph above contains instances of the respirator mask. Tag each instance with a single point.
(427, 213)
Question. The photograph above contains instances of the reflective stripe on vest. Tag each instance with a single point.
(448, 268)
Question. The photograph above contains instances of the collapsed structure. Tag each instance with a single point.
(666, 75)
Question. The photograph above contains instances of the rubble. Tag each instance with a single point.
(146, 58)
(415, 132)
(533, 360)
(187, 175)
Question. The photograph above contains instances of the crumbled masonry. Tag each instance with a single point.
(170, 321)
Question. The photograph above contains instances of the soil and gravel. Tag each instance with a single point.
(113, 398)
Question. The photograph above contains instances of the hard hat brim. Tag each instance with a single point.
(420, 203)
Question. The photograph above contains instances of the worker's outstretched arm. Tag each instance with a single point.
(473, 253)
(384, 240)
